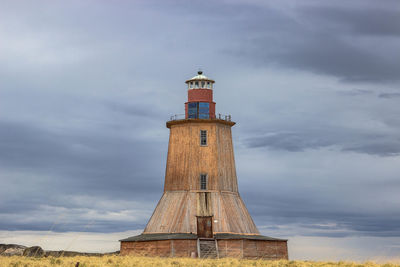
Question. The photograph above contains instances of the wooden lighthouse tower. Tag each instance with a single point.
(201, 212)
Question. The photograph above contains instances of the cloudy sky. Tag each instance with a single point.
(87, 86)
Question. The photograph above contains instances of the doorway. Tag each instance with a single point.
(204, 227)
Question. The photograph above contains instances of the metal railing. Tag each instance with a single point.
(216, 117)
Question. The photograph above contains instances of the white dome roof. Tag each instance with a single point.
(200, 77)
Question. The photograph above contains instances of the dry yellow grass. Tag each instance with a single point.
(123, 261)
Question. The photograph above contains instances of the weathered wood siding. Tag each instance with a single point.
(252, 249)
(187, 159)
(177, 210)
(240, 248)
(160, 248)
(183, 199)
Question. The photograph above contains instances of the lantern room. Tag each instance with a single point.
(200, 103)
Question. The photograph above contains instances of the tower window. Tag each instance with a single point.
(203, 181)
(204, 110)
(199, 110)
(192, 110)
(203, 137)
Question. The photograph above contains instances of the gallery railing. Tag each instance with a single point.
(201, 116)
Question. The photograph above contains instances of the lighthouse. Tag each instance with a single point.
(201, 213)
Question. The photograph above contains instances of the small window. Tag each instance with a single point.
(203, 181)
(203, 137)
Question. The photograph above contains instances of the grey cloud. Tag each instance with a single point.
(382, 147)
(376, 144)
(389, 95)
(280, 206)
(356, 92)
(27, 146)
(140, 110)
(289, 141)
(321, 39)
(72, 221)
(55, 148)
(71, 164)
(327, 54)
(372, 19)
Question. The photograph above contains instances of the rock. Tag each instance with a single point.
(11, 250)
(34, 251)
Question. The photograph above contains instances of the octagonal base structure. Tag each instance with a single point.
(186, 245)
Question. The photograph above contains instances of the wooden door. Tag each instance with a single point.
(204, 226)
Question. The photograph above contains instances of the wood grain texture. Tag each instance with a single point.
(183, 200)
(236, 248)
(177, 210)
(253, 249)
(160, 248)
(187, 159)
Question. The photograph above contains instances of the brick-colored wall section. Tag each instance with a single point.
(159, 248)
(253, 249)
(230, 248)
(265, 249)
(241, 248)
(200, 95)
(212, 110)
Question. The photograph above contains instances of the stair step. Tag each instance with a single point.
(208, 248)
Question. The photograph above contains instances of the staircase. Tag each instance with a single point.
(207, 248)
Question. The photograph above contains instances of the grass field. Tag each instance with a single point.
(122, 261)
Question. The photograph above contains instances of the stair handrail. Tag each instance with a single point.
(198, 248)
(216, 248)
